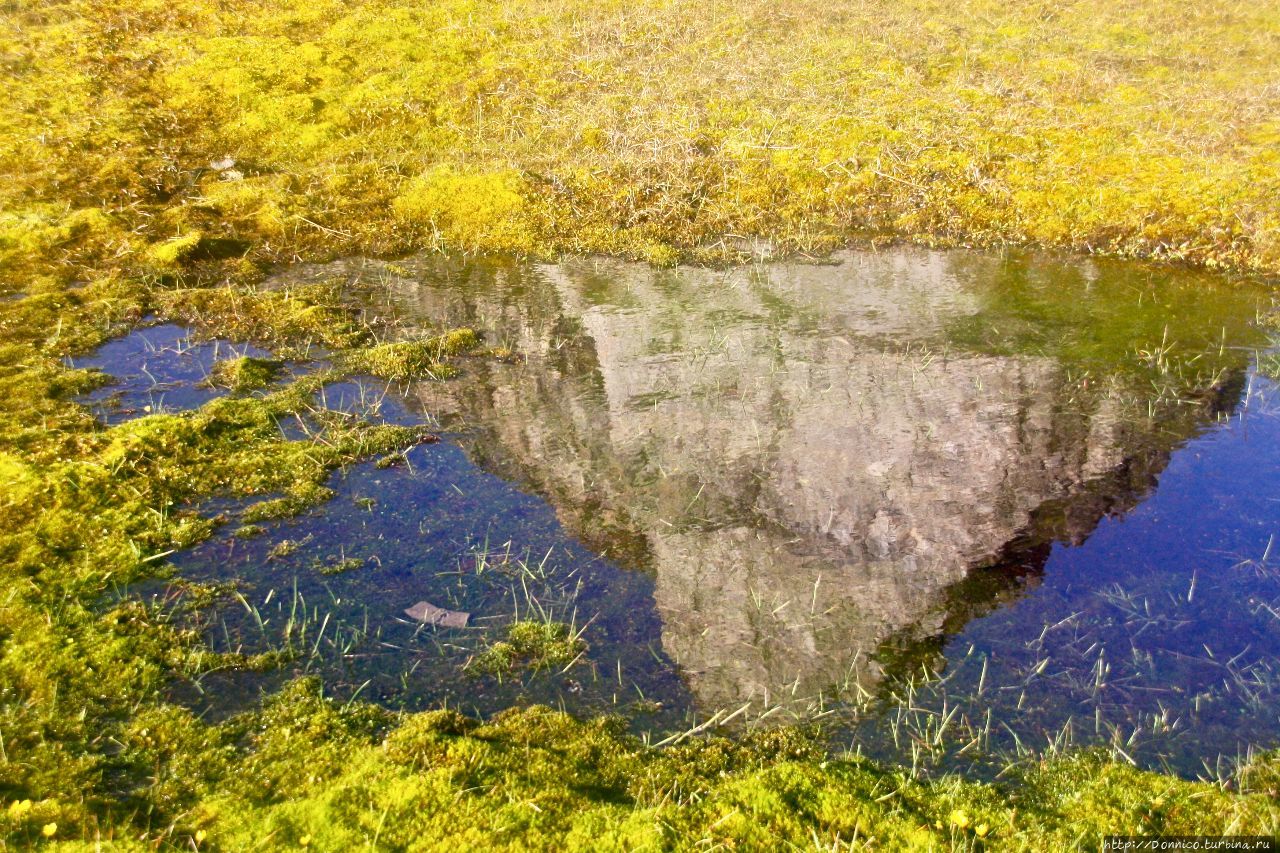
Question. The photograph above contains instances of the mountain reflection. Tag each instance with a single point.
(815, 460)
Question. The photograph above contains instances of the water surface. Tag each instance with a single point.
(845, 476)
(1034, 496)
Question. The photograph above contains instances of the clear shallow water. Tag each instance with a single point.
(158, 368)
(432, 527)
(1159, 630)
(439, 530)
(1022, 490)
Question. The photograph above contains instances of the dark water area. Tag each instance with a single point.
(948, 504)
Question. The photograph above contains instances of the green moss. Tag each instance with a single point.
(88, 510)
(170, 254)
(539, 779)
(413, 359)
(245, 373)
(301, 497)
(532, 644)
(197, 596)
(287, 321)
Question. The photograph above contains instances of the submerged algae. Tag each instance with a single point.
(403, 360)
(244, 373)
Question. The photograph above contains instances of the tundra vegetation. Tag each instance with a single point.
(157, 158)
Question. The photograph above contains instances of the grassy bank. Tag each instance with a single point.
(144, 133)
(155, 161)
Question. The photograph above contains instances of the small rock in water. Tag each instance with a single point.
(430, 614)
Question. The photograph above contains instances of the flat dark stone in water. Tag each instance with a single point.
(426, 612)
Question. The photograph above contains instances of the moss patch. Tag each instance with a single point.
(533, 644)
(413, 359)
(538, 779)
(245, 373)
(237, 133)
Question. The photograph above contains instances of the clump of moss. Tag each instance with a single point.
(531, 644)
(284, 548)
(914, 129)
(171, 253)
(413, 359)
(249, 531)
(421, 741)
(197, 596)
(302, 497)
(476, 210)
(288, 321)
(504, 354)
(245, 373)
(391, 461)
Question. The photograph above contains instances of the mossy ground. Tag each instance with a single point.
(163, 136)
(330, 776)
(656, 130)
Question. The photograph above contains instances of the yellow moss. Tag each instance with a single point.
(473, 211)
(286, 319)
(412, 359)
(244, 373)
(1138, 129)
(261, 205)
(170, 254)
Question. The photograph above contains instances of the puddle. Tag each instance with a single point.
(1035, 497)
(159, 368)
(848, 478)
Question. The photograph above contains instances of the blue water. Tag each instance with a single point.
(161, 368)
(431, 527)
(1159, 631)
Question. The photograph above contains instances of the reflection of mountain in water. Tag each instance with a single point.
(797, 452)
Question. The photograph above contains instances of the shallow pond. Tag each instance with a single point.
(951, 504)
